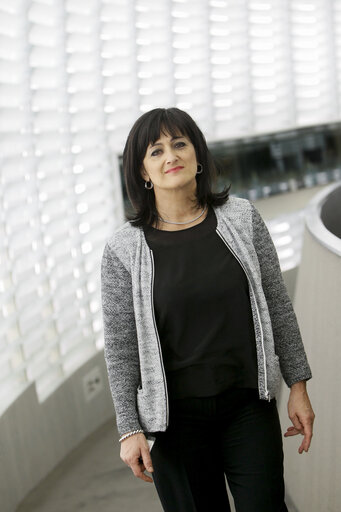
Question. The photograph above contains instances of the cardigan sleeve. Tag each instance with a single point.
(120, 340)
(287, 337)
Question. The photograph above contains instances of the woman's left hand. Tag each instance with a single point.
(301, 414)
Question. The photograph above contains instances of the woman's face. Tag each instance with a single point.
(170, 163)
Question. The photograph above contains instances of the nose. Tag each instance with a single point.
(171, 155)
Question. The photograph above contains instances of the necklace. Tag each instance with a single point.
(187, 221)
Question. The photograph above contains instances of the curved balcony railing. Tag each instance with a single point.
(317, 305)
(323, 217)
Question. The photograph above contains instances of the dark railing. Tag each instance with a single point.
(271, 164)
(331, 212)
(267, 165)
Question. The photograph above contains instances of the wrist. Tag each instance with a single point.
(129, 434)
(299, 387)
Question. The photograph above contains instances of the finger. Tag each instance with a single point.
(136, 469)
(303, 447)
(292, 432)
(307, 422)
(297, 424)
(143, 467)
(146, 458)
(308, 434)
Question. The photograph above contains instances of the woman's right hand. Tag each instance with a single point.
(135, 453)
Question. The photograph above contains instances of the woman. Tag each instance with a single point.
(198, 329)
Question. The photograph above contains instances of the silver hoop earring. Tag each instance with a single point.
(200, 167)
(146, 185)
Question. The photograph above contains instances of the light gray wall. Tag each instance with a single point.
(313, 479)
(35, 437)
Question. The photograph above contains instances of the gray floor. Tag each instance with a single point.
(93, 477)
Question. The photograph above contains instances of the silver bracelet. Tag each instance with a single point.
(122, 438)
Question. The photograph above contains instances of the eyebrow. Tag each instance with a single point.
(173, 138)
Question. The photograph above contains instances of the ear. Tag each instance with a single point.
(144, 173)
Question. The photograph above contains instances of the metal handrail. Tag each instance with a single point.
(315, 224)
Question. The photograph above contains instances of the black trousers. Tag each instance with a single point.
(234, 434)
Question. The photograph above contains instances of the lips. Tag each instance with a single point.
(174, 169)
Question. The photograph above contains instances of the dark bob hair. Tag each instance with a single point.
(147, 130)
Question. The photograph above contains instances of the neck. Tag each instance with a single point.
(197, 215)
(177, 205)
(181, 213)
(167, 225)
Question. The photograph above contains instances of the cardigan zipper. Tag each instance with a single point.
(158, 339)
(267, 394)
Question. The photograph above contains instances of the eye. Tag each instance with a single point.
(155, 152)
(180, 144)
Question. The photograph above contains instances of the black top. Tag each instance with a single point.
(203, 311)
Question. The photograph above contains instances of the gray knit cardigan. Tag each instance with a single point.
(132, 348)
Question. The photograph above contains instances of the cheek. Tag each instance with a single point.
(151, 170)
(193, 153)
(194, 158)
(146, 168)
